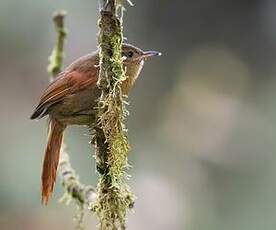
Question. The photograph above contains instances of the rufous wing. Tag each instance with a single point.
(65, 84)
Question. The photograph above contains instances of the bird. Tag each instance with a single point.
(70, 99)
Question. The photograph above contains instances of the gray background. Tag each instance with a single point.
(202, 124)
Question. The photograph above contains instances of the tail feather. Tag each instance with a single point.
(51, 159)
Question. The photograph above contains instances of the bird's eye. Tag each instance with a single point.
(130, 54)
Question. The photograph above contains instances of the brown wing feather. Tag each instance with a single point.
(66, 84)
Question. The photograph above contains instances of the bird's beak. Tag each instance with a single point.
(148, 54)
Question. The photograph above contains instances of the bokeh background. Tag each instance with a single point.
(202, 123)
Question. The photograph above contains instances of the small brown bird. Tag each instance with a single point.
(70, 100)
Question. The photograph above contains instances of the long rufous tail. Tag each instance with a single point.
(51, 159)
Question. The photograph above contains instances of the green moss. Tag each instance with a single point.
(56, 58)
(112, 147)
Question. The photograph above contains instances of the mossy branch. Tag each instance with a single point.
(113, 197)
(83, 194)
(56, 58)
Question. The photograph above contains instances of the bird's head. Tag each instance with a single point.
(132, 54)
(133, 60)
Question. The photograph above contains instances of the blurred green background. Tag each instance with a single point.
(202, 123)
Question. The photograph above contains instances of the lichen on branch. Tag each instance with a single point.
(56, 58)
(113, 196)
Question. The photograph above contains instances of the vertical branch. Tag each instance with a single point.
(56, 58)
(112, 147)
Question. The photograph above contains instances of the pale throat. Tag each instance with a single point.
(132, 72)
